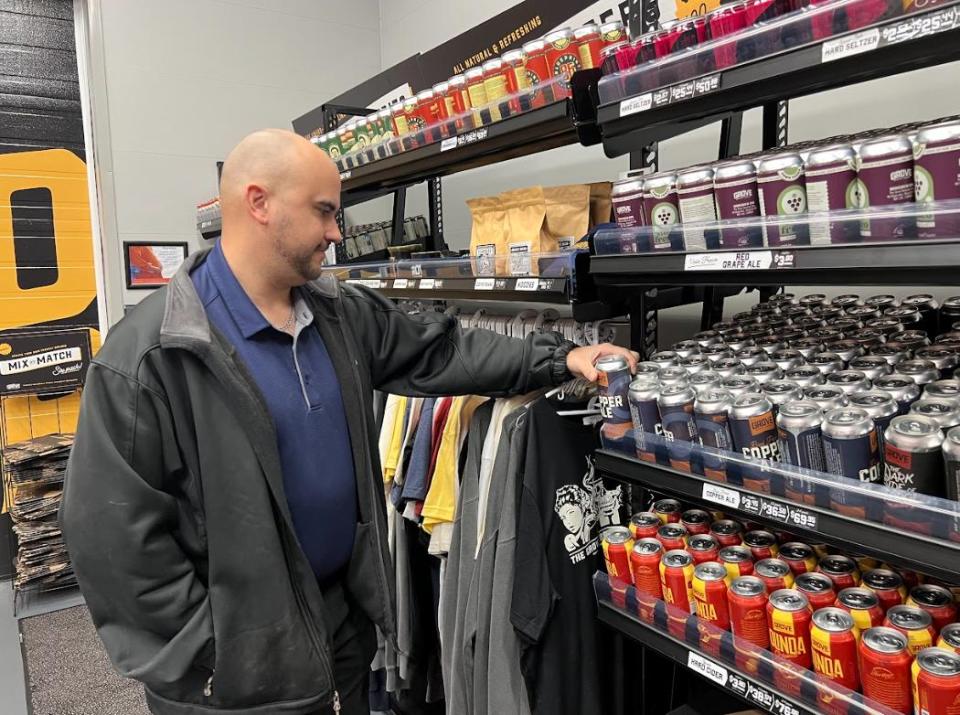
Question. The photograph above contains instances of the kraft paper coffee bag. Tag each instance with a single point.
(567, 216)
(601, 204)
(525, 210)
(488, 236)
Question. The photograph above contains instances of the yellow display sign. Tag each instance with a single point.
(695, 8)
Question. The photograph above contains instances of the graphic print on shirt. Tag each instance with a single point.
(607, 502)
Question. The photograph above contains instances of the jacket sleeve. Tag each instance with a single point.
(120, 519)
(430, 354)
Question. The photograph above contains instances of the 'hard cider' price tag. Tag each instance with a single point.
(484, 284)
(707, 668)
(721, 495)
(427, 283)
(526, 284)
(728, 261)
(400, 283)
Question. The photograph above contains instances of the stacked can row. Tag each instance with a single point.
(914, 163)
(851, 388)
(521, 79)
(852, 621)
(738, 32)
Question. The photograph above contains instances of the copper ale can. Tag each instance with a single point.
(727, 531)
(617, 544)
(950, 637)
(915, 623)
(935, 600)
(747, 598)
(842, 570)
(668, 510)
(672, 536)
(644, 525)
(738, 561)
(645, 566)
(936, 682)
(775, 574)
(697, 521)
(833, 641)
(885, 668)
(863, 605)
(676, 576)
(817, 588)
(887, 585)
(788, 613)
(800, 556)
(762, 544)
(703, 548)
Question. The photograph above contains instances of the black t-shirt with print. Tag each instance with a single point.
(563, 507)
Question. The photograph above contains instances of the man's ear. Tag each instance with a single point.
(257, 201)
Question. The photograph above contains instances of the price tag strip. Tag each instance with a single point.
(739, 260)
(771, 509)
(401, 283)
(758, 694)
(912, 28)
(670, 95)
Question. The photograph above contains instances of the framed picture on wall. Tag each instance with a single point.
(151, 265)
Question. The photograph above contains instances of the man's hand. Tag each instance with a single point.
(580, 361)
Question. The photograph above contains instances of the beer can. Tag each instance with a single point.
(805, 376)
(846, 300)
(706, 337)
(842, 570)
(735, 191)
(710, 594)
(750, 355)
(887, 584)
(754, 431)
(886, 178)
(907, 316)
(697, 205)
(614, 379)
(645, 567)
(764, 371)
(716, 352)
(665, 358)
(915, 623)
(826, 362)
(864, 312)
(787, 358)
(808, 344)
(935, 600)
(661, 207)
(703, 548)
(913, 456)
(672, 375)
(788, 613)
(645, 415)
(950, 637)
(891, 353)
(648, 369)
(863, 604)
(775, 574)
(871, 366)
(799, 556)
(727, 532)
(696, 521)
(617, 542)
(762, 544)
(771, 343)
(694, 364)
(686, 348)
(901, 388)
(847, 349)
(675, 403)
(627, 199)
(826, 397)
(563, 57)
(668, 510)
(738, 385)
(885, 668)
(672, 536)
(783, 193)
(747, 598)
(728, 367)
(847, 324)
(912, 340)
(817, 587)
(851, 450)
(704, 381)
(924, 303)
(813, 300)
(882, 301)
(945, 413)
(949, 314)
(739, 342)
(947, 389)
(780, 392)
(589, 44)
(831, 181)
(676, 576)
(936, 681)
(801, 444)
(644, 525)
(833, 639)
(881, 407)
(951, 460)
(711, 411)
(849, 381)
(737, 559)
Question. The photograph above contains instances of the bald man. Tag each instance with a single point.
(224, 506)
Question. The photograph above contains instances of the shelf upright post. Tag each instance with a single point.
(399, 213)
(435, 201)
(776, 116)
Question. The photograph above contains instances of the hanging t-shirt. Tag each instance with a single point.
(563, 505)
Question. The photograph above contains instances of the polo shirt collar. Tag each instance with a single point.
(245, 314)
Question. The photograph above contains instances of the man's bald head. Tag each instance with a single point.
(279, 197)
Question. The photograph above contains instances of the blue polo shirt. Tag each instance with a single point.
(296, 377)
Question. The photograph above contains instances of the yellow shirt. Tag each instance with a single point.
(396, 438)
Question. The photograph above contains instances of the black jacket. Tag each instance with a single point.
(174, 511)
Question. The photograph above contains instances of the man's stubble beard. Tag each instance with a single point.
(300, 263)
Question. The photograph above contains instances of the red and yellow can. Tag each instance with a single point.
(676, 579)
(935, 600)
(613, 32)
(563, 59)
(644, 525)
(515, 63)
(817, 588)
(775, 574)
(800, 556)
(737, 560)
(711, 604)
(703, 548)
(617, 546)
(915, 623)
(833, 641)
(788, 613)
(697, 521)
(884, 664)
(936, 682)
(645, 566)
(762, 544)
(727, 531)
(672, 536)
(863, 605)
(950, 637)
(747, 598)
(842, 570)
(668, 510)
(887, 585)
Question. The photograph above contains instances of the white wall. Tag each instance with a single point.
(185, 80)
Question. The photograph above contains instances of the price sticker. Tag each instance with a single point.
(721, 495)
(707, 668)
(526, 284)
(635, 105)
(484, 284)
(728, 261)
(401, 283)
(428, 283)
(448, 144)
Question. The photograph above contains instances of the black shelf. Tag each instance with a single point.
(906, 43)
(730, 679)
(538, 130)
(912, 550)
(907, 263)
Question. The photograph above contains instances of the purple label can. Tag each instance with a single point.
(735, 191)
(783, 193)
(886, 178)
(936, 177)
(661, 209)
(832, 185)
(697, 206)
(627, 199)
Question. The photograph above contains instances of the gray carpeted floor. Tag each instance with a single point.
(69, 672)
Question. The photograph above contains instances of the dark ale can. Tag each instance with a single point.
(775, 574)
(928, 308)
(644, 525)
(943, 357)
(826, 397)
(888, 585)
(915, 623)
(762, 544)
(617, 542)
(703, 548)
(801, 444)
(712, 415)
(935, 600)
(951, 463)
(805, 376)
(913, 459)
(696, 521)
(908, 317)
(881, 407)
(645, 567)
(901, 388)
(799, 556)
(936, 681)
(817, 588)
(872, 366)
(727, 532)
(668, 510)
(885, 668)
(850, 381)
(833, 639)
(949, 314)
(754, 432)
(645, 415)
(863, 605)
(948, 389)
(851, 450)
(842, 570)
(679, 426)
(672, 536)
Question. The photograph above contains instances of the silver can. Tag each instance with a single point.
(892, 354)
(787, 358)
(727, 367)
(943, 390)
(805, 375)
(686, 348)
(872, 366)
(751, 355)
(780, 392)
(826, 362)
(647, 368)
(716, 351)
(921, 372)
(846, 349)
(945, 413)
(808, 347)
(673, 376)
(764, 371)
(738, 385)
(942, 357)
(771, 344)
(901, 388)
(826, 397)
(665, 358)
(849, 381)
(695, 363)
(705, 380)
